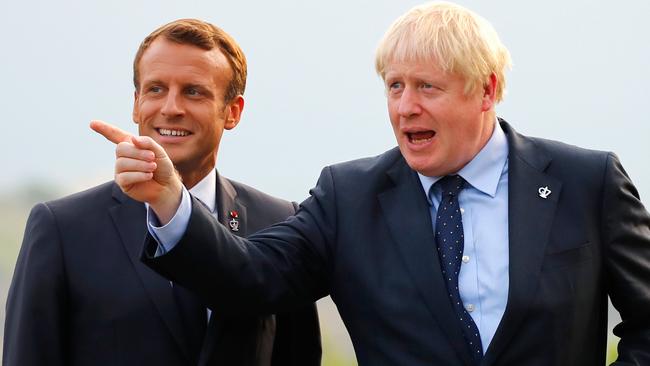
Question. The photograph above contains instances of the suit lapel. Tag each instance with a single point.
(529, 220)
(129, 217)
(409, 221)
(227, 204)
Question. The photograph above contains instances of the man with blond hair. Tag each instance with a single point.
(469, 244)
(80, 294)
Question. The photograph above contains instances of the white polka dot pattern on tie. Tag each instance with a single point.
(449, 216)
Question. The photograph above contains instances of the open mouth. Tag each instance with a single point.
(420, 137)
(172, 132)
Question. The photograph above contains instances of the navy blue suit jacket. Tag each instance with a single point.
(364, 236)
(81, 296)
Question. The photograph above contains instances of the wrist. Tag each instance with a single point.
(166, 206)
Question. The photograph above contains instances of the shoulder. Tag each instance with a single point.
(253, 197)
(558, 149)
(378, 164)
(574, 160)
(355, 183)
(85, 202)
(364, 175)
(563, 157)
(76, 214)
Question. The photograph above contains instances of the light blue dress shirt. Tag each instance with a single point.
(170, 234)
(483, 278)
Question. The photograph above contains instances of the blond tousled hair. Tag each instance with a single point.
(456, 39)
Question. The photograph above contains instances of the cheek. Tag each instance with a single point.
(213, 133)
(458, 137)
(141, 129)
(391, 104)
(145, 111)
(393, 115)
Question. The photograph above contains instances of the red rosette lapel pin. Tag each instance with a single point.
(234, 220)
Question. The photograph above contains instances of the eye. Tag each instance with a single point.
(394, 87)
(155, 89)
(430, 88)
(192, 91)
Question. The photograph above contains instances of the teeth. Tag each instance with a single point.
(168, 132)
(420, 141)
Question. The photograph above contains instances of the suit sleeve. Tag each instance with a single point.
(297, 338)
(275, 270)
(626, 234)
(36, 325)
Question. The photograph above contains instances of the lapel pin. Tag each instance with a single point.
(544, 192)
(234, 220)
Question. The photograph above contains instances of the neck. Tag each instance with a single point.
(489, 121)
(193, 176)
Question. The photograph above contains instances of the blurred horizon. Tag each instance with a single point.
(579, 76)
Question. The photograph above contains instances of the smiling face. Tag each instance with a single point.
(179, 103)
(438, 127)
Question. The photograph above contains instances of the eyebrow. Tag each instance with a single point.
(185, 86)
(151, 82)
(194, 85)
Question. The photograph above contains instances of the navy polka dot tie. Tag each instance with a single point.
(450, 242)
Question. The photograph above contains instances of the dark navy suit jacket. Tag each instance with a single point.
(81, 296)
(364, 236)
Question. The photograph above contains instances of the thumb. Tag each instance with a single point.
(110, 132)
(147, 143)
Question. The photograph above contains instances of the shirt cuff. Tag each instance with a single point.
(169, 235)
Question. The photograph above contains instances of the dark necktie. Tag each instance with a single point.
(450, 243)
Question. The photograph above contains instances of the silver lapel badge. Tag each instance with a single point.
(234, 220)
(544, 192)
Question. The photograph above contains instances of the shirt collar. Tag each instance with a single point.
(484, 170)
(206, 190)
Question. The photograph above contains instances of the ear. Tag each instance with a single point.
(489, 93)
(234, 110)
(136, 107)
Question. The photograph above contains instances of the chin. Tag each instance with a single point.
(426, 168)
(416, 165)
(176, 157)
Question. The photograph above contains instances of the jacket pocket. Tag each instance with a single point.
(568, 257)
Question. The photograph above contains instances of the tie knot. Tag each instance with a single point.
(451, 185)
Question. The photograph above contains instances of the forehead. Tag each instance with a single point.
(413, 68)
(171, 59)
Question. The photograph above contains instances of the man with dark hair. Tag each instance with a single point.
(81, 296)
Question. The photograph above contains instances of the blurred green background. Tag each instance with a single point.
(15, 206)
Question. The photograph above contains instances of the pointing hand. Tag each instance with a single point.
(143, 170)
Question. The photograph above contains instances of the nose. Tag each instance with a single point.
(409, 103)
(173, 105)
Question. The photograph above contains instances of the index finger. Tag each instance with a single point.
(110, 132)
